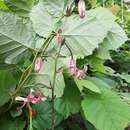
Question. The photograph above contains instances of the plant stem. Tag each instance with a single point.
(30, 117)
(45, 46)
(53, 88)
(30, 67)
(69, 50)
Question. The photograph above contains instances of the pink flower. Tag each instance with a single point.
(38, 64)
(85, 69)
(81, 8)
(30, 98)
(72, 67)
(75, 71)
(81, 73)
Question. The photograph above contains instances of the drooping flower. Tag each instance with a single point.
(30, 98)
(79, 73)
(81, 8)
(38, 64)
(72, 67)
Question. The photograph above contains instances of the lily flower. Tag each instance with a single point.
(38, 64)
(30, 98)
(79, 73)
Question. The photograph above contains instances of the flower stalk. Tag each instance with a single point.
(53, 87)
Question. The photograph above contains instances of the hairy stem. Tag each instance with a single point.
(53, 88)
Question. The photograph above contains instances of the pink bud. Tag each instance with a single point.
(85, 69)
(81, 8)
(38, 64)
(72, 67)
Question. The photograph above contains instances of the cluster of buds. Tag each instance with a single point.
(30, 98)
(81, 8)
(38, 64)
(79, 73)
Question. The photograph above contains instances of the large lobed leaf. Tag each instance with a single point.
(16, 36)
(41, 19)
(115, 38)
(70, 101)
(82, 35)
(106, 111)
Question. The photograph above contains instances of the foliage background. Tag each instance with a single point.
(101, 100)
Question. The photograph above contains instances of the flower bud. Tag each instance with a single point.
(85, 69)
(60, 37)
(67, 12)
(81, 8)
(38, 64)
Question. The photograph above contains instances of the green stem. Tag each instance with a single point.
(30, 117)
(47, 43)
(69, 50)
(29, 69)
(53, 88)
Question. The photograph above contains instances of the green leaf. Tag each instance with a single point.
(87, 84)
(3, 6)
(44, 78)
(106, 111)
(7, 85)
(43, 118)
(21, 7)
(59, 128)
(81, 34)
(41, 19)
(8, 123)
(70, 102)
(54, 8)
(115, 38)
(103, 53)
(81, 41)
(16, 37)
(89, 126)
(96, 63)
(124, 76)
